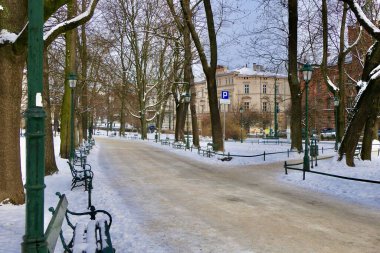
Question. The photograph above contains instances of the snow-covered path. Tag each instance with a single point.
(163, 202)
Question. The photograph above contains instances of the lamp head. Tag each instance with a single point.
(307, 71)
(336, 101)
(187, 97)
(72, 80)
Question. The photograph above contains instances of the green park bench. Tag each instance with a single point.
(82, 175)
(91, 235)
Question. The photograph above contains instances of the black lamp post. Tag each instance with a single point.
(72, 83)
(241, 110)
(307, 71)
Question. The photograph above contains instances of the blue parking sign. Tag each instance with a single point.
(225, 94)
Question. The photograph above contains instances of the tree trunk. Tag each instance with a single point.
(11, 78)
(363, 107)
(216, 125)
(50, 163)
(70, 67)
(189, 78)
(341, 112)
(179, 121)
(208, 69)
(84, 93)
(370, 132)
(143, 127)
(295, 121)
(122, 113)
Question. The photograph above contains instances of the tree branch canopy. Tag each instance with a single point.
(370, 27)
(82, 18)
(51, 6)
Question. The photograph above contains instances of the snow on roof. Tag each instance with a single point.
(245, 71)
(199, 76)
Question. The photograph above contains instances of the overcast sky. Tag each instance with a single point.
(230, 39)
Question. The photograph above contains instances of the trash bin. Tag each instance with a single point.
(314, 148)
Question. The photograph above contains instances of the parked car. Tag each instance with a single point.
(328, 133)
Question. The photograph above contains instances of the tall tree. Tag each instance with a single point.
(188, 72)
(295, 124)
(70, 68)
(208, 69)
(13, 45)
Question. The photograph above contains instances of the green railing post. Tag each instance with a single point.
(34, 240)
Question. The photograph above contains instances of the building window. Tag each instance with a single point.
(226, 81)
(265, 106)
(246, 106)
(246, 88)
(264, 88)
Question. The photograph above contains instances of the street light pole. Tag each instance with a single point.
(34, 240)
(241, 124)
(72, 83)
(307, 71)
(336, 104)
(275, 109)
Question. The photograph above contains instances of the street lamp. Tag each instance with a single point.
(72, 83)
(241, 110)
(34, 240)
(181, 89)
(307, 71)
(336, 104)
(187, 98)
(275, 109)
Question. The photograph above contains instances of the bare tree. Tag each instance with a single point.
(208, 69)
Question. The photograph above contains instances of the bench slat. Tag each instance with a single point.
(105, 236)
(54, 228)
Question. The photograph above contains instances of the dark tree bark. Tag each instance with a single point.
(12, 63)
(70, 68)
(84, 88)
(296, 116)
(363, 109)
(208, 69)
(50, 163)
(189, 78)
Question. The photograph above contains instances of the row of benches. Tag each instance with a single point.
(91, 234)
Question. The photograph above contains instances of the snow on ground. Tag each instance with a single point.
(361, 193)
(12, 228)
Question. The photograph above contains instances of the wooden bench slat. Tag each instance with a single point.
(54, 228)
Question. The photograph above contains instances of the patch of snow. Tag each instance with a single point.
(331, 84)
(7, 37)
(363, 16)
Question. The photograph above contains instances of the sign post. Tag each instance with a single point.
(224, 100)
